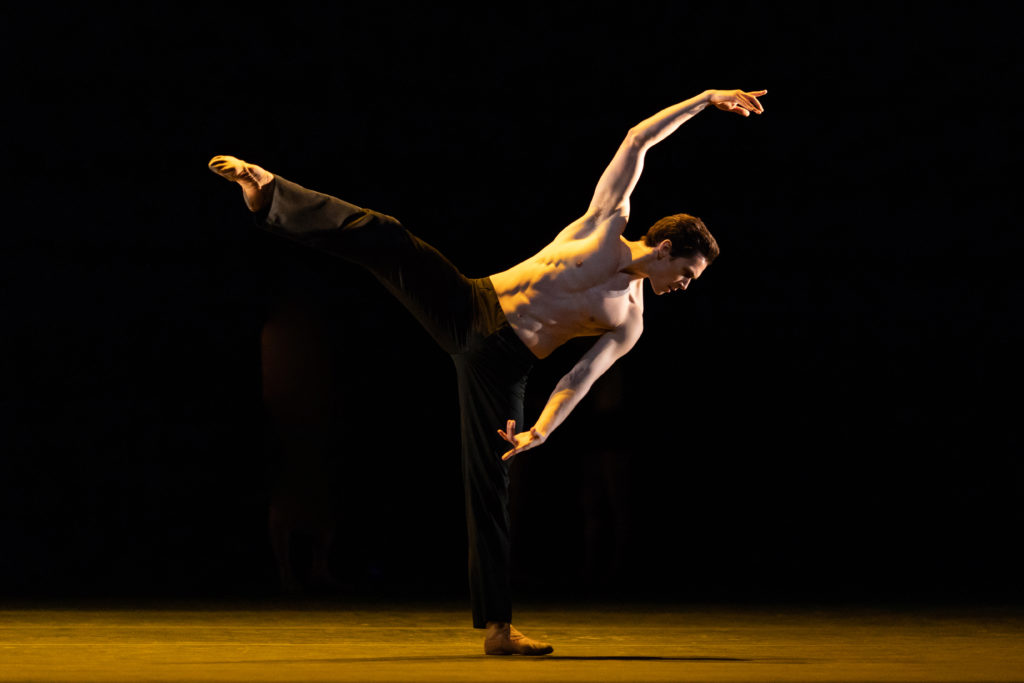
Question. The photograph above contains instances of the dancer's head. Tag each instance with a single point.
(688, 234)
(683, 248)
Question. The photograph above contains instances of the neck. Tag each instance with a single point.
(639, 256)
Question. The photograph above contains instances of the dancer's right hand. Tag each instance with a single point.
(523, 441)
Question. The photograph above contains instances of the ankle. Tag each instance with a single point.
(259, 198)
(496, 628)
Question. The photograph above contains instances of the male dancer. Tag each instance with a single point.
(587, 282)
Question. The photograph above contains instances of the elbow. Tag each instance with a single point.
(565, 387)
(575, 383)
(636, 138)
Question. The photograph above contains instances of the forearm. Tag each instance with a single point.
(658, 127)
(561, 402)
(594, 363)
(619, 179)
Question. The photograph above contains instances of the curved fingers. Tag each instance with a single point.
(509, 432)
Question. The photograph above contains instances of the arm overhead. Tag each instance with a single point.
(570, 389)
(619, 179)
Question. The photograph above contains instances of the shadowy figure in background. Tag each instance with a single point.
(606, 485)
(302, 403)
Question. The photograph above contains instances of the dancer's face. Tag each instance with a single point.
(668, 274)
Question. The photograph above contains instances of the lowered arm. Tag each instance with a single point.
(570, 389)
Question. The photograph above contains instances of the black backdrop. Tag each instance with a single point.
(830, 412)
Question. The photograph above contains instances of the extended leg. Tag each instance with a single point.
(418, 275)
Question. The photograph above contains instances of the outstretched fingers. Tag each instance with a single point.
(739, 101)
(750, 100)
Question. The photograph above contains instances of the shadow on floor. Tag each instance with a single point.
(460, 658)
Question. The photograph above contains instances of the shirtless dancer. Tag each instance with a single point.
(587, 282)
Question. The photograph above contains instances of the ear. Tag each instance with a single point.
(664, 248)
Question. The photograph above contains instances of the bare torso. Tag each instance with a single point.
(573, 287)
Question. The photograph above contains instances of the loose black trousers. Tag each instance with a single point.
(464, 317)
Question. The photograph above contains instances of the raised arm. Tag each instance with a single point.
(619, 179)
(570, 389)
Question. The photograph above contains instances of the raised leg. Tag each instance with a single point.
(417, 274)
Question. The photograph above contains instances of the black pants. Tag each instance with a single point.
(464, 317)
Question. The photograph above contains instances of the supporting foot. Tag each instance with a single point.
(503, 639)
(257, 184)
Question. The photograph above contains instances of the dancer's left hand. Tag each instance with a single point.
(523, 441)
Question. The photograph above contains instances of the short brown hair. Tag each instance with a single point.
(688, 234)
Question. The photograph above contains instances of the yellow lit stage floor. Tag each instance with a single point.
(397, 642)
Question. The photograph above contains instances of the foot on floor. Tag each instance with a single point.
(503, 639)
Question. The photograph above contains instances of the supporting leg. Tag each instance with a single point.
(492, 384)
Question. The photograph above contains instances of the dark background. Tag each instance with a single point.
(830, 413)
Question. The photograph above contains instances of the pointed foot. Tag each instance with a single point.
(256, 182)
